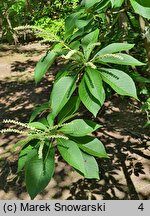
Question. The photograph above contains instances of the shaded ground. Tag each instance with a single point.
(126, 175)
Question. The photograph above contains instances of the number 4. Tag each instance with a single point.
(141, 207)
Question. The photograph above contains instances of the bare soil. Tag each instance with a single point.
(125, 175)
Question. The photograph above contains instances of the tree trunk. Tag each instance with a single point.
(146, 42)
(14, 35)
(123, 25)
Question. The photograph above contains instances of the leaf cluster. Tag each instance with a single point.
(90, 66)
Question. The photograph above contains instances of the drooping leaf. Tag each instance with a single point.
(141, 7)
(90, 102)
(94, 83)
(25, 155)
(37, 125)
(38, 110)
(91, 166)
(71, 153)
(121, 82)
(43, 65)
(119, 58)
(87, 41)
(70, 108)
(61, 93)
(114, 48)
(79, 127)
(92, 146)
(38, 173)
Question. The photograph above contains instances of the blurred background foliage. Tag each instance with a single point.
(46, 14)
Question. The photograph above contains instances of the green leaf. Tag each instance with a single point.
(119, 81)
(75, 45)
(44, 121)
(64, 71)
(25, 155)
(70, 108)
(144, 3)
(91, 167)
(138, 78)
(70, 23)
(116, 3)
(79, 127)
(38, 125)
(82, 23)
(22, 142)
(50, 119)
(102, 7)
(74, 55)
(87, 41)
(61, 93)
(38, 110)
(141, 7)
(43, 65)
(119, 58)
(94, 83)
(38, 173)
(147, 124)
(87, 98)
(91, 145)
(71, 153)
(57, 48)
(90, 3)
(114, 48)
(78, 34)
